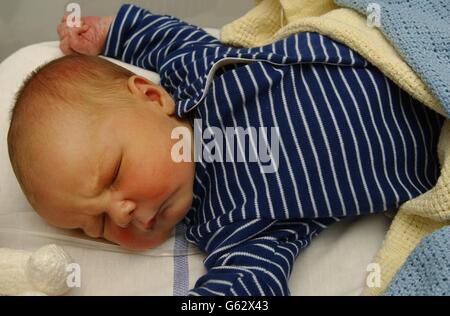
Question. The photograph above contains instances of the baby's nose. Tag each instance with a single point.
(122, 213)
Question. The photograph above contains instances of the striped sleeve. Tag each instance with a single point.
(254, 258)
(143, 39)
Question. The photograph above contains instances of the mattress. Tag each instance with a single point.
(335, 264)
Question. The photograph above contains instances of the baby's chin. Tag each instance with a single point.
(136, 240)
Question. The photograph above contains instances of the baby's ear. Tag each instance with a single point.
(148, 91)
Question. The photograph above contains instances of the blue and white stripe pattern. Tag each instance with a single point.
(351, 142)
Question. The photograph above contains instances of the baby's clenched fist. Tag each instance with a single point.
(87, 39)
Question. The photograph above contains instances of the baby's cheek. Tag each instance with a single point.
(147, 186)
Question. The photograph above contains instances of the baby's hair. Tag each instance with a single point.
(71, 83)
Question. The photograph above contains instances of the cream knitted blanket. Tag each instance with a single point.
(272, 20)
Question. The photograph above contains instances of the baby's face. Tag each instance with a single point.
(115, 179)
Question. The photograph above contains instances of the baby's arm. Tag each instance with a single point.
(253, 264)
(146, 40)
(135, 36)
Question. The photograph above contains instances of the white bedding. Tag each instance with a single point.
(335, 263)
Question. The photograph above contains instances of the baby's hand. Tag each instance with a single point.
(88, 39)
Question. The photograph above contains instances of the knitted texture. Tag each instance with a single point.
(427, 269)
(272, 20)
(420, 31)
(416, 218)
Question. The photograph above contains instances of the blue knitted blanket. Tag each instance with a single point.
(420, 31)
(427, 269)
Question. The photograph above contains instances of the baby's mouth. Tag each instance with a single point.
(151, 223)
(149, 226)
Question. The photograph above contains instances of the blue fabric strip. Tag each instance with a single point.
(180, 262)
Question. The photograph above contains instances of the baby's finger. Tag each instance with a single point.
(84, 28)
(63, 27)
(64, 18)
(74, 32)
(62, 30)
(78, 43)
(63, 23)
(64, 45)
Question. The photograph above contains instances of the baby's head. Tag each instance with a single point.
(90, 144)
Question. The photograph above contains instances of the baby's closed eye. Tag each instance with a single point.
(116, 172)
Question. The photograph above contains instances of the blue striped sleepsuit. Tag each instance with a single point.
(351, 142)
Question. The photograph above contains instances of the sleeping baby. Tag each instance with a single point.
(92, 144)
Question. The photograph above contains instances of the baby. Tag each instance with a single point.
(92, 144)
